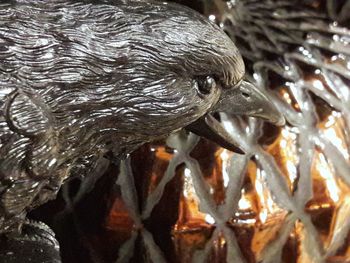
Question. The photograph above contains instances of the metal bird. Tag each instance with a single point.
(80, 79)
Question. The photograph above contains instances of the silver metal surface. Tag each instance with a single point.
(79, 80)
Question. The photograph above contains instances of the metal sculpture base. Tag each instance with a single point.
(36, 243)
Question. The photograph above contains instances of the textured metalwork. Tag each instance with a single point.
(83, 80)
(287, 199)
(37, 243)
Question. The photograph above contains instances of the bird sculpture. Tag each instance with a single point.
(83, 80)
(285, 200)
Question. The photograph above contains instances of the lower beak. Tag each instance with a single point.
(244, 100)
(211, 129)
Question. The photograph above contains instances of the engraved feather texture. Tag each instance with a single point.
(80, 79)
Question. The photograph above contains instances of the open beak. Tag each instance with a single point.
(244, 100)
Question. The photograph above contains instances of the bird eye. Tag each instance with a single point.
(206, 85)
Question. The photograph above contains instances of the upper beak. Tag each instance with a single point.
(244, 100)
(248, 100)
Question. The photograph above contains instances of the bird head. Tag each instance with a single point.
(180, 67)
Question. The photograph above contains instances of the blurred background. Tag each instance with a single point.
(287, 200)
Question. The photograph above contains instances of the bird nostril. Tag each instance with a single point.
(246, 95)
